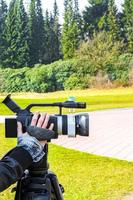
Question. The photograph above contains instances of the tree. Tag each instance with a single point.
(40, 32)
(3, 13)
(52, 36)
(70, 31)
(57, 32)
(101, 53)
(128, 23)
(94, 16)
(113, 24)
(47, 49)
(22, 58)
(10, 36)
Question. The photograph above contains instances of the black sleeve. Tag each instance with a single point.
(12, 166)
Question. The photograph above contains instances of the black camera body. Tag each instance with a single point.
(70, 125)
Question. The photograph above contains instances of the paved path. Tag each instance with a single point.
(111, 135)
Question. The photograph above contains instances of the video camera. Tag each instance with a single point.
(71, 124)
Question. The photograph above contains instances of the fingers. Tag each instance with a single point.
(41, 120)
(19, 129)
(35, 119)
(51, 127)
(45, 123)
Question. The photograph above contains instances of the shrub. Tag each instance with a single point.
(75, 82)
(119, 71)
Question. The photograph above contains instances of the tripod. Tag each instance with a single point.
(38, 183)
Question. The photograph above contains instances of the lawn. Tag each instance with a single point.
(84, 176)
(95, 99)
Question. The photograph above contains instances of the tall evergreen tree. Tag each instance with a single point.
(40, 32)
(47, 49)
(113, 23)
(55, 27)
(10, 36)
(3, 13)
(36, 30)
(78, 19)
(70, 31)
(22, 36)
(93, 14)
(128, 23)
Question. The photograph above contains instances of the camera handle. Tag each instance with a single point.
(39, 183)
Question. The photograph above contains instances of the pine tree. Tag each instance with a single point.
(10, 53)
(94, 16)
(47, 48)
(40, 32)
(3, 13)
(78, 19)
(113, 24)
(32, 34)
(36, 30)
(22, 36)
(70, 31)
(128, 23)
(56, 32)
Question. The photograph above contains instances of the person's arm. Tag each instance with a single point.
(29, 150)
(13, 165)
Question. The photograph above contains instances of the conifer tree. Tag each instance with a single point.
(112, 19)
(47, 48)
(128, 23)
(3, 13)
(55, 27)
(22, 36)
(70, 31)
(32, 33)
(40, 32)
(78, 19)
(10, 53)
(94, 17)
(36, 31)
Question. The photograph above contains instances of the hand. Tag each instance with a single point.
(39, 120)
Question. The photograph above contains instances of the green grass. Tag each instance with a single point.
(95, 99)
(84, 176)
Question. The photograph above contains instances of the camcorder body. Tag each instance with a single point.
(71, 124)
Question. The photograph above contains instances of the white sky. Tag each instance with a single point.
(48, 4)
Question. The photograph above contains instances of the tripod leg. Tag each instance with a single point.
(57, 190)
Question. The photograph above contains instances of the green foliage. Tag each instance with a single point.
(74, 82)
(22, 57)
(120, 70)
(10, 53)
(36, 30)
(93, 16)
(3, 13)
(52, 36)
(128, 23)
(70, 31)
(16, 52)
(100, 52)
(112, 19)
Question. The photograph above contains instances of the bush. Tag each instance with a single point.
(74, 82)
(119, 71)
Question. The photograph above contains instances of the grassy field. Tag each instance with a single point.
(84, 176)
(95, 99)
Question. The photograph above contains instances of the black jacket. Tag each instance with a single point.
(12, 166)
